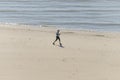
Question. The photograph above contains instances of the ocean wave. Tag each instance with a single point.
(6, 23)
(81, 23)
(8, 11)
(22, 24)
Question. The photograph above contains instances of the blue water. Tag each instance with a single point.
(100, 15)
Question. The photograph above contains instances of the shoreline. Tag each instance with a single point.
(22, 26)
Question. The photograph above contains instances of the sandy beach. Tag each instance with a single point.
(27, 53)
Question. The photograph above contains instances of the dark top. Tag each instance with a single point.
(57, 34)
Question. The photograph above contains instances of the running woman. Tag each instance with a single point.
(57, 37)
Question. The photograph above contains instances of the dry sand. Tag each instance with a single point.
(28, 54)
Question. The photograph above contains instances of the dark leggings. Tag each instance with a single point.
(57, 38)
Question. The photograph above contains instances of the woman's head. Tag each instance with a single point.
(58, 30)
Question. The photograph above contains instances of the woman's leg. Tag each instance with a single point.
(55, 40)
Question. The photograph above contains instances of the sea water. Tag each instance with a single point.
(100, 15)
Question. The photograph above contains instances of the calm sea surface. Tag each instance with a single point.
(101, 15)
